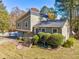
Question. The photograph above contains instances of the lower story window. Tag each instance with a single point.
(18, 24)
(55, 30)
(43, 29)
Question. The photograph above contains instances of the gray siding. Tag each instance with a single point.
(22, 24)
(48, 29)
(26, 20)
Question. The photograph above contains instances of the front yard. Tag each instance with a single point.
(9, 51)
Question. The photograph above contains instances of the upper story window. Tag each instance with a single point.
(26, 24)
(18, 25)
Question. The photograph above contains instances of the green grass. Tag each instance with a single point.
(9, 51)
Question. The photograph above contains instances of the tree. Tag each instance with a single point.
(50, 12)
(67, 8)
(44, 10)
(4, 22)
(14, 15)
(62, 7)
(75, 24)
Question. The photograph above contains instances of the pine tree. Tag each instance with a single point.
(50, 12)
(67, 8)
(44, 10)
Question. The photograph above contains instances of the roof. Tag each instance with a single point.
(49, 23)
(24, 15)
(32, 11)
(44, 15)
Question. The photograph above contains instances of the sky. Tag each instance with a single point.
(26, 4)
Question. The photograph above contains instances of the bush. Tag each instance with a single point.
(20, 39)
(46, 36)
(56, 39)
(36, 39)
(70, 42)
(41, 34)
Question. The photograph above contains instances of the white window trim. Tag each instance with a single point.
(40, 30)
(18, 27)
(25, 24)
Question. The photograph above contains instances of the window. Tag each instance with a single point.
(26, 24)
(39, 29)
(43, 29)
(18, 25)
(54, 30)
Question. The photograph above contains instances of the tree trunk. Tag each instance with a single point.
(70, 20)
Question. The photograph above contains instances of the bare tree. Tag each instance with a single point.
(14, 15)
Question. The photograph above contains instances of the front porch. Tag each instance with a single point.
(51, 30)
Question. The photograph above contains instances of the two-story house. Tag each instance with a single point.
(24, 25)
(30, 24)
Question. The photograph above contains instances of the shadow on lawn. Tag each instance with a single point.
(47, 47)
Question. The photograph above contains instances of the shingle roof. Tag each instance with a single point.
(56, 23)
(32, 11)
(24, 15)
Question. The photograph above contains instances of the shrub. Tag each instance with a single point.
(55, 39)
(35, 39)
(20, 39)
(70, 42)
(23, 39)
(46, 36)
(41, 34)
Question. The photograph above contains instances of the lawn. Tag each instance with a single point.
(9, 51)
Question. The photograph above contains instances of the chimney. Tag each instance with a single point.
(34, 10)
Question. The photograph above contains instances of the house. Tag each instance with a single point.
(30, 24)
(55, 26)
(24, 25)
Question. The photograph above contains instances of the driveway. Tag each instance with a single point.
(5, 40)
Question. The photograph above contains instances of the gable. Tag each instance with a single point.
(23, 16)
